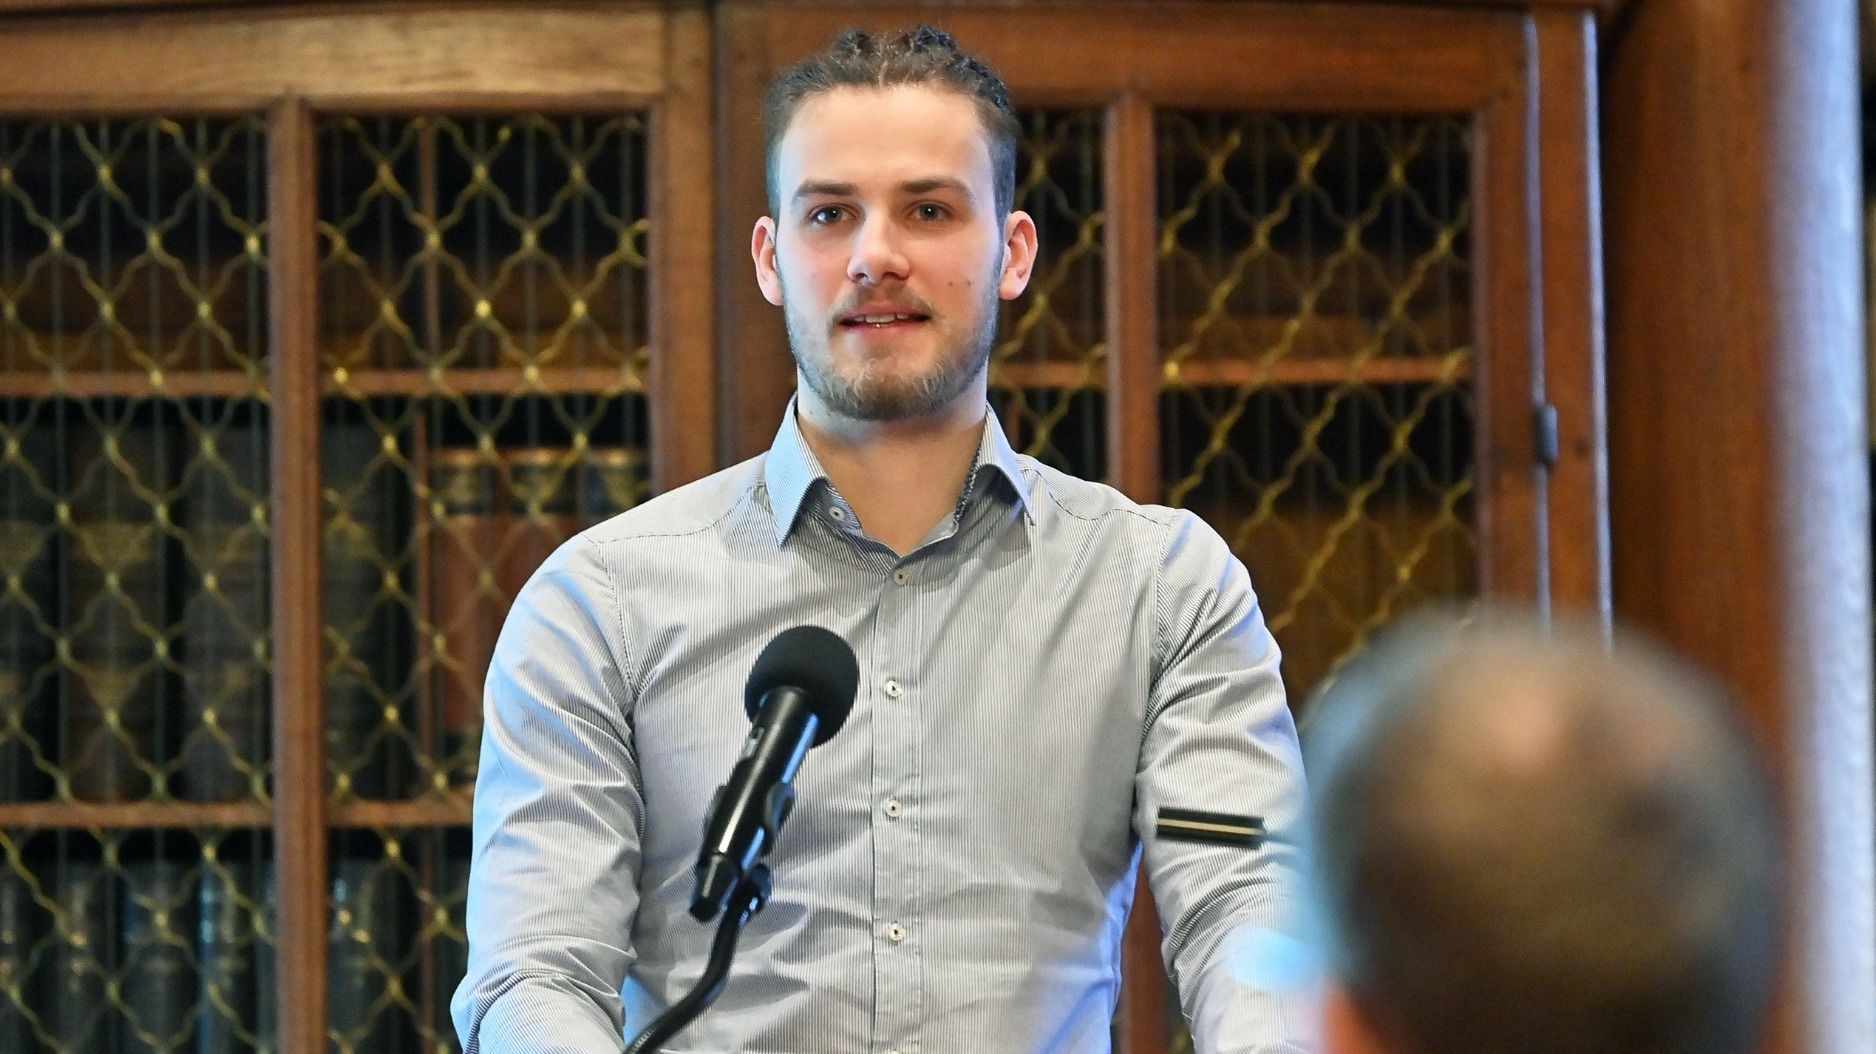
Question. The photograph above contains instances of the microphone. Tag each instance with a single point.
(799, 694)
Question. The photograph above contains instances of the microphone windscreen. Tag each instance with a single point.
(814, 660)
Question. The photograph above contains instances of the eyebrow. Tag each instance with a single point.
(822, 189)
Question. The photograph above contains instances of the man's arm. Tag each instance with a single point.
(1219, 739)
(558, 817)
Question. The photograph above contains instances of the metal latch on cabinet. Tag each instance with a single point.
(1548, 448)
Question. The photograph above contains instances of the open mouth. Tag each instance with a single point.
(883, 321)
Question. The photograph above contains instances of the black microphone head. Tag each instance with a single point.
(814, 660)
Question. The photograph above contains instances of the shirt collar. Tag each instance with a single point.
(791, 471)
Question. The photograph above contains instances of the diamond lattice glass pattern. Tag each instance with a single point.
(456, 243)
(1315, 323)
(1048, 366)
(133, 446)
(136, 941)
(397, 948)
(483, 311)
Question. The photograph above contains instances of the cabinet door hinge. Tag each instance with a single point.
(1546, 437)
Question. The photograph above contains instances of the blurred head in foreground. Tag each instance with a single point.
(1528, 845)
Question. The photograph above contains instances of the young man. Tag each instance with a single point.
(1049, 673)
(1526, 845)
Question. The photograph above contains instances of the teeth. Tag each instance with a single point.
(881, 320)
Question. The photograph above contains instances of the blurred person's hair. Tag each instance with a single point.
(1526, 843)
(922, 56)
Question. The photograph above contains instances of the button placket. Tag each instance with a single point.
(898, 733)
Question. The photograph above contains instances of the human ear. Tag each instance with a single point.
(1019, 255)
(762, 251)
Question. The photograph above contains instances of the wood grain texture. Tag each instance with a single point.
(298, 609)
(1739, 497)
(683, 321)
(435, 56)
(756, 373)
(1570, 294)
(1370, 58)
(1511, 487)
(86, 816)
(1131, 301)
(1141, 1020)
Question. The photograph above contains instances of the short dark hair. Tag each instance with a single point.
(1525, 844)
(923, 55)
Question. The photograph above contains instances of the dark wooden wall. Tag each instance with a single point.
(1739, 494)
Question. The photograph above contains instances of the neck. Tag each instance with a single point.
(901, 477)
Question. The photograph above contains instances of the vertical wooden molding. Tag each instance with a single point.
(756, 373)
(1739, 494)
(1131, 298)
(299, 697)
(1508, 355)
(683, 320)
(1570, 221)
(1129, 198)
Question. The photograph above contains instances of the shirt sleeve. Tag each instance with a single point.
(558, 819)
(1219, 739)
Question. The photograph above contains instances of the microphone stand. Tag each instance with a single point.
(752, 893)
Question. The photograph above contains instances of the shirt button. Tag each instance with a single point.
(893, 808)
(893, 689)
(895, 933)
(901, 577)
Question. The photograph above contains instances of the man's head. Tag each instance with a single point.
(891, 167)
(1527, 846)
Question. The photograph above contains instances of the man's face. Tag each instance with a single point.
(886, 254)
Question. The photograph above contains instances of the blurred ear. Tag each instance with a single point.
(762, 251)
(1019, 255)
(1344, 1029)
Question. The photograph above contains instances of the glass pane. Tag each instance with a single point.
(137, 941)
(133, 451)
(397, 948)
(483, 315)
(1317, 349)
(1049, 366)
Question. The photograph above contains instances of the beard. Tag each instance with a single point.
(875, 390)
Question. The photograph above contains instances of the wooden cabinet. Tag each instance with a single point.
(1325, 274)
(319, 325)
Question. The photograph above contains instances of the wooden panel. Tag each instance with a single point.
(497, 380)
(1739, 500)
(1604, 6)
(1240, 373)
(457, 56)
(451, 812)
(1132, 300)
(58, 815)
(1511, 499)
(299, 684)
(1571, 267)
(756, 370)
(683, 366)
(1362, 58)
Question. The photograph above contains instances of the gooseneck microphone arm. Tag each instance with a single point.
(750, 896)
(798, 696)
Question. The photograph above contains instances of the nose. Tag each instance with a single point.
(877, 256)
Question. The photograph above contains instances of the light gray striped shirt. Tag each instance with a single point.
(1047, 671)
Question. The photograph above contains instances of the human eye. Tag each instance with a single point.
(930, 211)
(827, 215)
